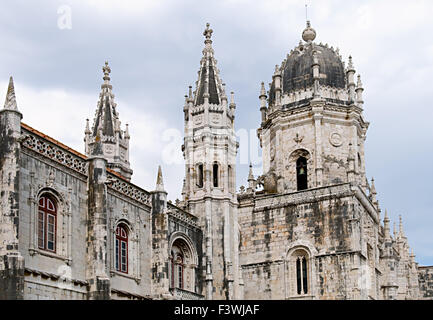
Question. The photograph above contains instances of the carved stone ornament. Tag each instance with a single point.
(335, 139)
(298, 138)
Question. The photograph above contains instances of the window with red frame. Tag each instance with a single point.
(122, 249)
(47, 217)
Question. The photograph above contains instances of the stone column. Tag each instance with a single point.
(11, 260)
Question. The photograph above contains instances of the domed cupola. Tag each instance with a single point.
(312, 129)
(295, 80)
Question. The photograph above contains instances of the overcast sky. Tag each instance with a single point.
(154, 49)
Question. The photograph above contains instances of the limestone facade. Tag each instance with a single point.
(73, 226)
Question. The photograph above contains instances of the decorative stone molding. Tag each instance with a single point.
(54, 152)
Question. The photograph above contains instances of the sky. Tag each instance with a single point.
(55, 51)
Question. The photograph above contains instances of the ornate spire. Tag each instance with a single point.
(11, 102)
(209, 84)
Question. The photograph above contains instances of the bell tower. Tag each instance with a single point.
(313, 129)
(209, 191)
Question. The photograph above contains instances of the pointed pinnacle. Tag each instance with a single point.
(359, 83)
(11, 102)
(87, 131)
(159, 182)
(262, 90)
(350, 66)
(400, 225)
(250, 174)
(373, 188)
(127, 136)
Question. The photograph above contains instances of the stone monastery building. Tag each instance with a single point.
(73, 226)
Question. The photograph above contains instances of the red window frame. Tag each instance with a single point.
(47, 210)
(121, 244)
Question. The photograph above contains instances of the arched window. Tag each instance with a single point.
(301, 173)
(47, 223)
(177, 269)
(215, 175)
(200, 176)
(183, 264)
(121, 248)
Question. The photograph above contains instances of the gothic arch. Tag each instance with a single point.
(183, 262)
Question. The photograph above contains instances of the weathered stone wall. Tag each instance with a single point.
(35, 289)
(40, 174)
(328, 224)
(425, 276)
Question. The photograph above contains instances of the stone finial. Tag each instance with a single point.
(232, 99)
(159, 182)
(127, 136)
(11, 102)
(208, 33)
(309, 34)
(190, 92)
(107, 70)
(359, 83)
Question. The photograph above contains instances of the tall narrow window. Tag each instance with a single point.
(47, 216)
(215, 175)
(301, 173)
(298, 276)
(301, 275)
(121, 249)
(200, 176)
(179, 264)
